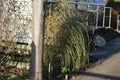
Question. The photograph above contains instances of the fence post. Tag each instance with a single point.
(110, 16)
(104, 16)
(37, 40)
(118, 21)
(97, 14)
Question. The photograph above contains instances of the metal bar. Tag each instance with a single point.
(95, 4)
(118, 22)
(97, 17)
(88, 15)
(104, 18)
(110, 17)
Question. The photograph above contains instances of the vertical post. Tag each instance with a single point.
(110, 16)
(118, 22)
(76, 4)
(37, 40)
(104, 16)
(97, 14)
(88, 7)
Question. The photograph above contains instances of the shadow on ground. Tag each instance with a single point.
(112, 47)
(101, 76)
(101, 54)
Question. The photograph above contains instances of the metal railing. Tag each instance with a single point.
(103, 15)
(118, 23)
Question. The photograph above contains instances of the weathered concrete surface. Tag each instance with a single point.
(109, 69)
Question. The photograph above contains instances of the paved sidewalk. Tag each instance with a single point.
(109, 69)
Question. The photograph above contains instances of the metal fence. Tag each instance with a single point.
(99, 16)
(118, 23)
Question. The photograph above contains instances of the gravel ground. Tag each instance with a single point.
(109, 69)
